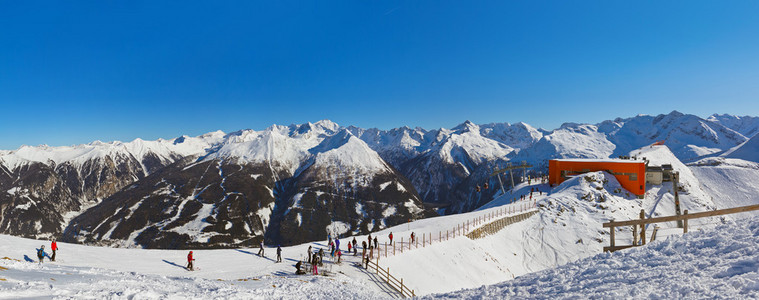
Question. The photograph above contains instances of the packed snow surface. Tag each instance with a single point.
(718, 263)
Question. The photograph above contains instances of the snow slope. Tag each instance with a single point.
(98, 272)
(717, 263)
(746, 151)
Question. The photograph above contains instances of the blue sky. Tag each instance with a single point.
(73, 72)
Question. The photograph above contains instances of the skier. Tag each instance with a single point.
(391, 238)
(355, 249)
(308, 255)
(339, 254)
(297, 268)
(189, 261)
(412, 237)
(54, 247)
(349, 247)
(321, 256)
(364, 245)
(313, 264)
(375, 242)
(279, 254)
(369, 239)
(337, 244)
(261, 250)
(41, 253)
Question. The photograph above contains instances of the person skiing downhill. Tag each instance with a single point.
(41, 253)
(54, 247)
(279, 254)
(189, 261)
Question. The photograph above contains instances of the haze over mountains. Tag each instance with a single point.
(292, 184)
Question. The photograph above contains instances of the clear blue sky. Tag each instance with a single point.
(73, 72)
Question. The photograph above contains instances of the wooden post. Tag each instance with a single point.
(393, 248)
(423, 237)
(635, 235)
(401, 286)
(685, 222)
(388, 274)
(653, 235)
(642, 228)
(385, 249)
(611, 237)
(401, 244)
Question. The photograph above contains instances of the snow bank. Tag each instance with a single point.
(719, 263)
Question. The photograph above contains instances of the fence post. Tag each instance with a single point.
(401, 244)
(423, 239)
(642, 228)
(401, 286)
(385, 249)
(611, 237)
(685, 221)
(388, 274)
(635, 235)
(393, 248)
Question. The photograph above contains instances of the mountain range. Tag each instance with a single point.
(291, 184)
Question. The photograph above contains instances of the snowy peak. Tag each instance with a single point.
(746, 125)
(344, 153)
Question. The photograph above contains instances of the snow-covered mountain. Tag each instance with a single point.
(747, 126)
(278, 181)
(285, 184)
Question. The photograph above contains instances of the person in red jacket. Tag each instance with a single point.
(189, 261)
(54, 247)
(391, 238)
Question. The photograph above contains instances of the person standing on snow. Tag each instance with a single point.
(364, 245)
(54, 247)
(349, 247)
(313, 264)
(308, 256)
(279, 254)
(41, 253)
(337, 244)
(391, 237)
(355, 249)
(339, 254)
(261, 250)
(375, 242)
(189, 261)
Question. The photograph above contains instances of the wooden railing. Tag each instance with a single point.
(639, 241)
(497, 225)
(393, 282)
(465, 228)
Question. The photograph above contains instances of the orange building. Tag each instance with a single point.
(631, 174)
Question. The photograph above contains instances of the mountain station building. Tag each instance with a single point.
(631, 174)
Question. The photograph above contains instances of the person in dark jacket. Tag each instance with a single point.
(376, 243)
(261, 250)
(279, 254)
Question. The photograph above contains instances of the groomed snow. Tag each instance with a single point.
(720, 263)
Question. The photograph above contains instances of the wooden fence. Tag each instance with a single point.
(498, 224)
(641, 240)
(487, 219)
(393, 282)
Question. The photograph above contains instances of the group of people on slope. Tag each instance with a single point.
(190, 259)
(41, 254)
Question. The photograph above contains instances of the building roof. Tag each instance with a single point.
(610, 160)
